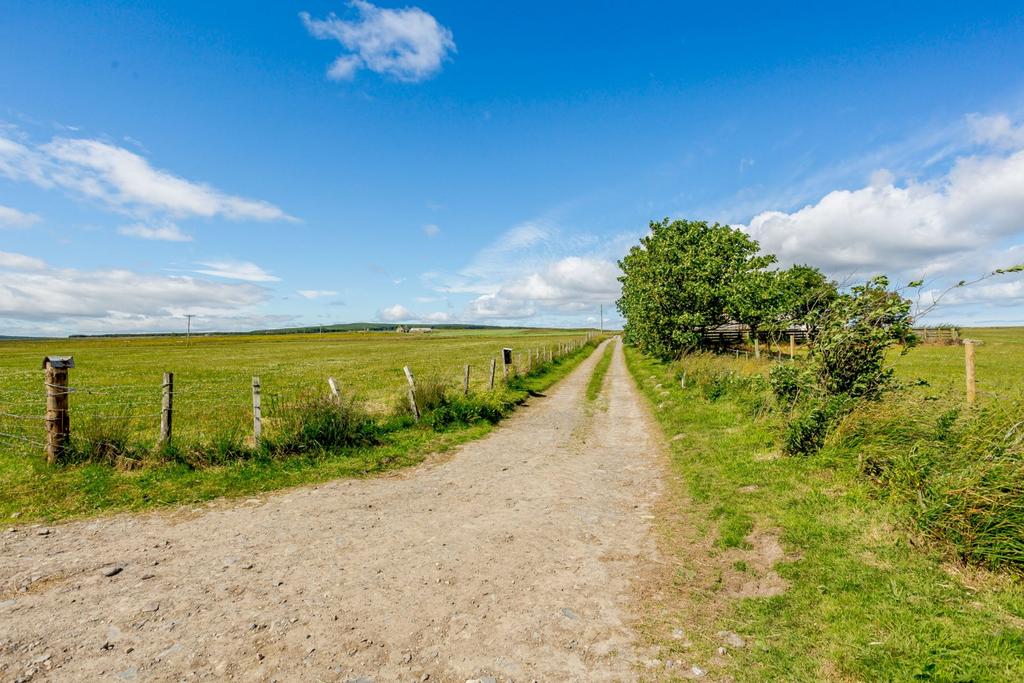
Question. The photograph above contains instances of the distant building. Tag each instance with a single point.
(421, 330)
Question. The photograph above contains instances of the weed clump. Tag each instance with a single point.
(444, 407)
(107, 440)
(320, 423)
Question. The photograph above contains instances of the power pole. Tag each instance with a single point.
(602, 318)
(188, 328)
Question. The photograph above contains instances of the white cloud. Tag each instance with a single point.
(568, 285)
(13, 261)
(439, 317)
(394, 314)
(407, 44)
(12, 218)
(169, 232)
(914, 228)
(236, 270)
(998, 130)
(431, 230)
(316, 293)
(124, 181)
(536, 272)
(37, 296)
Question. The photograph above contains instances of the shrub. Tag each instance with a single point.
(847, 353)
(806, 431)
(320, 423)
(789, 382)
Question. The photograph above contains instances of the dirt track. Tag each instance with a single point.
(515, 558)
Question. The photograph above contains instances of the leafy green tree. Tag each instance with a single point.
(856, 331)
(758, 300)
(772, 301)
(680, 281)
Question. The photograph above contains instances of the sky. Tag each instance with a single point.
(307, 163)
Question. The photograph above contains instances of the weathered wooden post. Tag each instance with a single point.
(969, 363)
(334, 389)
(166, 408)
(506, 360)
(412, 393)
(757, 348)
(58, 420)
(792, 346)
(494, 363)
(257, 411)
(465, 380)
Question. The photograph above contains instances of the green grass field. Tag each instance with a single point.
(999, 360)
(867, 595)
(119, 379)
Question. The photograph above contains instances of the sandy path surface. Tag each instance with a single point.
(515, 558)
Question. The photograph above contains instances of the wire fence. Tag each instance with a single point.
(202, 406)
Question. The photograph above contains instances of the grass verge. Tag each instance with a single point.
(802, 558)
(88, 488)
(600, 370)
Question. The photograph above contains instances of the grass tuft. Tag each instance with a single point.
(600, 370)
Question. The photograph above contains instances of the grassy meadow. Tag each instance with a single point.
(872, 579)
(117, 382)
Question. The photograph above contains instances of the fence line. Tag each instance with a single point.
(51, 412)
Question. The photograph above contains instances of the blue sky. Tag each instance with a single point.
(315, 162)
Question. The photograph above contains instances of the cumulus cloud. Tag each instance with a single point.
(168, 232)
(236, 270)
(431, 230)
(13, 218)
(394, 314)
(568, 285)
(407, 44)
(537, 272)
(316, 293)
(37, 296)
(124, 181)
(922, 228)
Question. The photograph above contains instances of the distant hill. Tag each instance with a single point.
(370, 327)
(311, 329)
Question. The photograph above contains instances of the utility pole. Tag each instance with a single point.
(602, 318)
(188, 328)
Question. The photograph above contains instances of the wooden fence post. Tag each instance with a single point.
(412, 393)
(257, 411)
(506, 360)
(58, 420)
(494, 364)
(792, 346)
(969, 363)
(166, 408)
(334, 389)
(757, 348)
(465, 380)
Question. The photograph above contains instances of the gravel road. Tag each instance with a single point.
(517, 557)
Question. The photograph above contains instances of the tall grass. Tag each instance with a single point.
(959, 475)
(955, 476)
(321, 423)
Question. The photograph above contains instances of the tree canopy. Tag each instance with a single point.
(689, 276)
